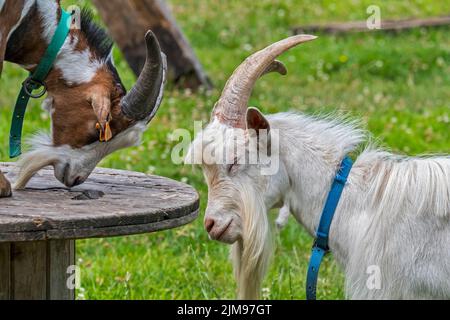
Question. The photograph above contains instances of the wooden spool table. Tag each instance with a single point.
(38, 226)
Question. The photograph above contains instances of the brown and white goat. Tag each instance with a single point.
(84, 89)
(393, 216)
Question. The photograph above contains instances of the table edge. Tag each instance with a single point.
(101, 232)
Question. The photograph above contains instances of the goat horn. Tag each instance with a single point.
(276, 66)
(144, 99)
(232, 105)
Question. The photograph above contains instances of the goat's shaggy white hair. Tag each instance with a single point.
(251, 254)
(394, 212)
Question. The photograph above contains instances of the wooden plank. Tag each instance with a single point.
(45, 210)
(5, 271)
(22, 236)
(60, 255)
(36, 270)
(122, 230)
(386, 25)
(101, 232)
(29, 276)
(16, 224)
(129, 20)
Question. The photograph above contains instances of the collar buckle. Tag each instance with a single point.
(30, 85)
(36, 82)
(321, 241)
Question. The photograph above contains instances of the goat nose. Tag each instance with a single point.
(77, 181)
(209, 224)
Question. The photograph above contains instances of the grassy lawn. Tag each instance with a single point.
(397, 84)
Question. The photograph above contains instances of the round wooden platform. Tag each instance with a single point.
(39, 226)
(109, 203)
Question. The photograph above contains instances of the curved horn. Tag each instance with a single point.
(232, 105)
(144, 99)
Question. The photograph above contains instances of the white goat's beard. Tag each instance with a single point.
(31, 162)
(251, 255)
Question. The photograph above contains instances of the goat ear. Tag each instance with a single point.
(258, 124)
(100, 101)
(256, 120)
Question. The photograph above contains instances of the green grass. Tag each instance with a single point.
(398, 84)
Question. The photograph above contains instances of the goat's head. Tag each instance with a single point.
(236, 212)
(95, 117)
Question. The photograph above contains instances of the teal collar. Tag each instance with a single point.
(36, 81)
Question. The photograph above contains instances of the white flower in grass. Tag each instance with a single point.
(81, 294)
(266, 293)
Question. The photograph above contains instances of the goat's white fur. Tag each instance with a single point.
(394, 212)
(283, 217)
(251, 254)
(77, 67)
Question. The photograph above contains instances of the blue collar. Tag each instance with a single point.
(36, 81)
(320, 247)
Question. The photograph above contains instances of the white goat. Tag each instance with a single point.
(394, 212)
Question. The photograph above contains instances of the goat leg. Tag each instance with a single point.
(283, 217)
(5, 187)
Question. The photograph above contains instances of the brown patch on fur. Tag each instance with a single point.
(82, 43)
(9, 17)
(76, 108)
(76, 112)
(5, 187)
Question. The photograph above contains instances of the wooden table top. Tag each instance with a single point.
(110, 203)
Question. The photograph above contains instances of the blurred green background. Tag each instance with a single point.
(398, 84)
